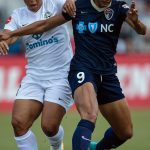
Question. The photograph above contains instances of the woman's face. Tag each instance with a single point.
(33, 5)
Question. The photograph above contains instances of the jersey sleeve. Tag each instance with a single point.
(11, 23)
(123, 9)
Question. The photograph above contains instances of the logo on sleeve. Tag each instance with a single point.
(108, 13)
(8, 20)
(125, 6)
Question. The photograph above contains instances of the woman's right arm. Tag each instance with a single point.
(36, 27)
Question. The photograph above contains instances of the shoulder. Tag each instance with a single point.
(20, 11)
(120, 4)
(119, 1)
(49, 2)
(59, 2)
(13, 22)
(82, 2)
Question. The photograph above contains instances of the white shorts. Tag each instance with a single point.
(56, 91)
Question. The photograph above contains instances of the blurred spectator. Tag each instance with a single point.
(17, 48)
(143, 43)
(125, 44)
(6, 8)
(129, 38)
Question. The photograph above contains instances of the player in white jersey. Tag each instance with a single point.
(45, 87)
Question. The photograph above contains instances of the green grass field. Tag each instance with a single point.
(140, 141)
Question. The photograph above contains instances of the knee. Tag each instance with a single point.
(126, 133)
(90, 115)
(19, 125)
(50, 129)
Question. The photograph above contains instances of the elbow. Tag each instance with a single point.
(143, 31)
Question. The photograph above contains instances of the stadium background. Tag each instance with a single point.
(134, 73)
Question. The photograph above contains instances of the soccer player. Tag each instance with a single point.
(94, 83)
(45, 88)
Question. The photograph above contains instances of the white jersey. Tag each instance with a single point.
(49, 53)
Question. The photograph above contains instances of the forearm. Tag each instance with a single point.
(4, 43)
(40, 26)
(12, 39)
(139, 27)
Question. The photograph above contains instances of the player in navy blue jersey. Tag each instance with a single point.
(92, 76)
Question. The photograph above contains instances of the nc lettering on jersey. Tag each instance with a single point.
(93, 27)
(40, 42)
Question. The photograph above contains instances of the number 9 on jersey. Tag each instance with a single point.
(81, 77)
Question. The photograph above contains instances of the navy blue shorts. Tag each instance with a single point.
(107, 87)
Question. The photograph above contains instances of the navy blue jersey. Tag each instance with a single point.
(96, 33)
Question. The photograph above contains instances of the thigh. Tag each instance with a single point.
(118, 115)
(109, 89)
(52, 114)
(79, 77)
(30, 89)
(26, 111)
(59, 93)
(83, 87)
(85, 97)
(29, 98)
(86, 102)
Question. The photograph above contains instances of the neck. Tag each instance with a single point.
(101, 4)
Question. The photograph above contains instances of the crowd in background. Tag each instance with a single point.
(129, 41)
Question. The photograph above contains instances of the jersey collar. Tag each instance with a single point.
(99, 9)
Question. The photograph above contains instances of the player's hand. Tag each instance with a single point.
(3, 48)
(4, 36)
(70, 8)
(133, 13)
